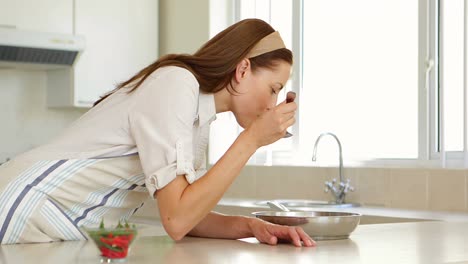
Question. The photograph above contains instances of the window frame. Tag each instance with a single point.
(435, 44)
(431, 152)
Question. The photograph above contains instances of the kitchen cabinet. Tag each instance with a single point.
(39, 15)
(121, 39)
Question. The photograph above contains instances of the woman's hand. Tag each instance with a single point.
(270, 233)
(271, 125)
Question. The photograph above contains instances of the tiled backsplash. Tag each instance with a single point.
(425, 189)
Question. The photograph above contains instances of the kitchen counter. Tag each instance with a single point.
(417, 242)
(246, 206)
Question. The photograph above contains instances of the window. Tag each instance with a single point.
(385, 76)
(452, 81)
(360, 76)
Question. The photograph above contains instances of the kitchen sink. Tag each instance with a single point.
(297, 203)
(370, 215)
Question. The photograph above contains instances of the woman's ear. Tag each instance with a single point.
(242, 69)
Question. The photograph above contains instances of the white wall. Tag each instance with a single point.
(26, 121)
(183, 25)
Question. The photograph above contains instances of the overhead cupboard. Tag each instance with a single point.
(121, 38)
(54, 16)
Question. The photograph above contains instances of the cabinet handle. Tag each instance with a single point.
(85, 102)
(8, 26)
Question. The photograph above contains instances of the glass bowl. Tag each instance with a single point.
(113, 243)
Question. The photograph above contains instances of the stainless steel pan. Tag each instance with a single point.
(318, 225)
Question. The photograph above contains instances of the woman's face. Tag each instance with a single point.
(258, 91)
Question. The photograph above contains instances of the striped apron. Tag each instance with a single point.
(50, 200)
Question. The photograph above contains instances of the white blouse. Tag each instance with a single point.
(166, 120)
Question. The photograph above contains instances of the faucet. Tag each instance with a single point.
(343, 187)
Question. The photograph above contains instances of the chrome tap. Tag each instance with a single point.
(339, 192)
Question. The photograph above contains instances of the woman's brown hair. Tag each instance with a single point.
(214, 64)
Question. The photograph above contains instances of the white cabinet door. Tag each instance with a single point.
(121, 39)
(38, 15)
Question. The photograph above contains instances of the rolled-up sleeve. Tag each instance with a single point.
(161, 123)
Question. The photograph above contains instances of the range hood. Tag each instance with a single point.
(38, 50)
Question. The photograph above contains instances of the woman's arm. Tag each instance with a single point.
(216, 225)
(183, 205)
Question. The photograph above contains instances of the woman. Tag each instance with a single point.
(149, 135)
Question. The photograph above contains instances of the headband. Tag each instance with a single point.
(269, 43)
